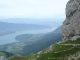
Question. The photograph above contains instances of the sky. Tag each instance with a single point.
(36, 9)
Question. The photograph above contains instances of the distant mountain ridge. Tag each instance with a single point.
(5, 25)
(47, 22)
(8, 28)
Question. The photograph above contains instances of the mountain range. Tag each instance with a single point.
(8, 28)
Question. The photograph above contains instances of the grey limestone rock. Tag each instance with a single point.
(71, 25)
(71, 7)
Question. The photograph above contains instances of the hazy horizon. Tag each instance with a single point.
(29, 10)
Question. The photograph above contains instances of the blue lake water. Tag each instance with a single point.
(10, 38)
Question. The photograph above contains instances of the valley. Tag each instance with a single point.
(11, 37)
(32, 44)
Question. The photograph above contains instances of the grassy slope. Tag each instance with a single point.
(60, 51)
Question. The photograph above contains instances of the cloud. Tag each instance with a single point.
(32, 8)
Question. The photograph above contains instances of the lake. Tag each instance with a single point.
(10, 38)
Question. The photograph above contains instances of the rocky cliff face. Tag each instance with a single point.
(71, 26)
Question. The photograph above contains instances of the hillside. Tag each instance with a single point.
(34, 44)
(5, 55)
(29, 37)
(67, 50)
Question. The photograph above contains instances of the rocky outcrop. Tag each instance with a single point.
(71, 26)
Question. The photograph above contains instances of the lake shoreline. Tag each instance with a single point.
(10, 38)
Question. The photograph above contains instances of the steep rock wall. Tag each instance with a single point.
(71, 26)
